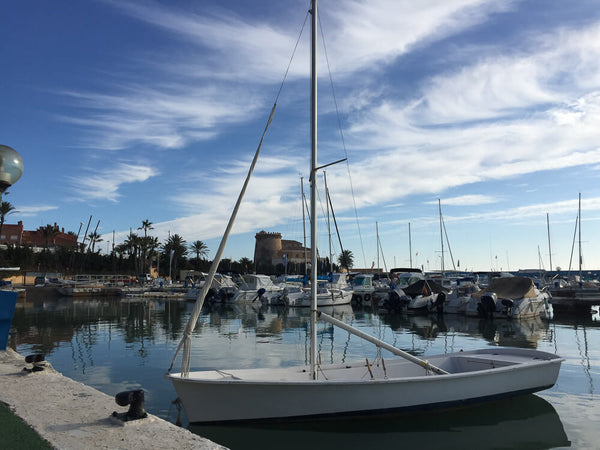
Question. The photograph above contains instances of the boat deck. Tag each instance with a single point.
(393, 368)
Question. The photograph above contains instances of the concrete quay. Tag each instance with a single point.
(71, 415)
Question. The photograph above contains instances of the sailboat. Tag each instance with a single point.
(576, 295)
(322, 390)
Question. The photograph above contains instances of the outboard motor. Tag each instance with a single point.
(439, 302)
(396, 302)
(487, 305)
(508, 304)
(259, 294)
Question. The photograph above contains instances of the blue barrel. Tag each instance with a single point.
(8, 300)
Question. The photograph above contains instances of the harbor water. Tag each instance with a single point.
(115, 345)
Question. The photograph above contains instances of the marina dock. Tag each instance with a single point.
(71, 415)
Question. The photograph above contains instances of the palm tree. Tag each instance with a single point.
(49, 232)
(175, 245)
(146, 225)
(132, 244)
(6, 208)
(148, 245)
(346, 259)
(200, 249)
(246, 264)
(94, 238)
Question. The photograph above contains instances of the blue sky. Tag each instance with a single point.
(129, 111)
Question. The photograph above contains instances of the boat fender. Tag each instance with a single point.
(367, 298)
(135, 400)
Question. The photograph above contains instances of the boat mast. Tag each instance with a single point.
(580, 258)
(313, 195)
(377, 234)
(409, 246)
(549, 247)
(441, 236)
(304, 228)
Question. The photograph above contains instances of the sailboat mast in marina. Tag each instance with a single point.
(313, 193)
(353, 388)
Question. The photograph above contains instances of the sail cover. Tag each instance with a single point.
(510, 287)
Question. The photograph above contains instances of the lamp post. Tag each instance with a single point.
(11, 167)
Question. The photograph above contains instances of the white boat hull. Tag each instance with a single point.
(256, 394)
(331, 298)
(524, 308)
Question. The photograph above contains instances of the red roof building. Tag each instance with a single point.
(16, 235)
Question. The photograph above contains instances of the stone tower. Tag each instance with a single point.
(266, 248)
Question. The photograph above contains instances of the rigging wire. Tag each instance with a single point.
(343, 141)
(382, 255)
(287, 70)
(448, 242)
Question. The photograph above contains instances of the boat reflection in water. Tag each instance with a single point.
(525, 333)
(523, 422)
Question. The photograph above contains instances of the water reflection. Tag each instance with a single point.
(513, 333)
(526, 422)
(44, 325)
(115, 345)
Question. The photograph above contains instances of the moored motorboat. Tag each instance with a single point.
(510, 298)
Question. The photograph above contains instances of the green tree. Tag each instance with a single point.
(145, 244)
(148, 245)
(94, 238)
(246, 264)
(175, 244)
(6, 208)
(131, 245)
(346, 259)
(49, 232)
(200, 249)
(146, 225)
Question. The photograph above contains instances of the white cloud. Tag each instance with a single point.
(159, 116)
(559, 211)
(104, 184)
(33, 210)
(375, 32)
(466, 200)
(554, 69)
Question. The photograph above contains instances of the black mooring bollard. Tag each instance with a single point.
(37, 360)
(135, 400)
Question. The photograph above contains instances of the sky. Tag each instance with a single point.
(126, 111)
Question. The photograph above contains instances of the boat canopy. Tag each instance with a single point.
(424, 287)
(254, 281)
(512, 287)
